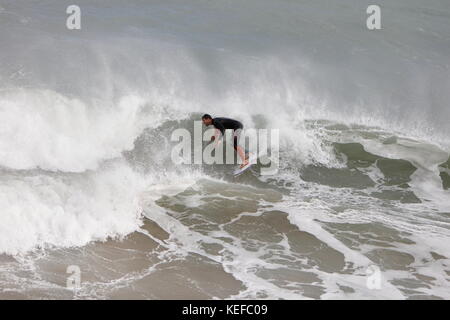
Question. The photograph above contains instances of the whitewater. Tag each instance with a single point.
(361, 196)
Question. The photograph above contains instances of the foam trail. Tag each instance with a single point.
(303, 219)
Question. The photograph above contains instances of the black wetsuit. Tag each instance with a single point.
(225, 123)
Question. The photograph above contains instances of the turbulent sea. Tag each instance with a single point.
(360, 205)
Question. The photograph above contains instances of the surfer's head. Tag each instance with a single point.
(207, 119)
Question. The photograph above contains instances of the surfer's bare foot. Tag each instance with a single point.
(244, 163)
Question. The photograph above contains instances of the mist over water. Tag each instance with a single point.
(85, 169)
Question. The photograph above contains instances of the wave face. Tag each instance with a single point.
(86, 176)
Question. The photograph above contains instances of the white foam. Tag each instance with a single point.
(44, 210)
(44, 129)
(425, 181)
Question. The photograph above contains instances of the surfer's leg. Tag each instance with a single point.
(240, 151)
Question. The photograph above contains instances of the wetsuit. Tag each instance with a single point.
(225, 123)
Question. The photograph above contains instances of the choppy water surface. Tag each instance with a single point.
(86, 176)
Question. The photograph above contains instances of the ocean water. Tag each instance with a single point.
(360, 205)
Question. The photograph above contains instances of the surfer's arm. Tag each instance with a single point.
(220, 129)
(216, 137)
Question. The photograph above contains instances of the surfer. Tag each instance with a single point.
(221, 124)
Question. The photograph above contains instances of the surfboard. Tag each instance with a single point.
(251, 159)
(241, 170)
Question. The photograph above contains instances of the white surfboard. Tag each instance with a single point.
(241, 170)
(252, 159)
